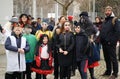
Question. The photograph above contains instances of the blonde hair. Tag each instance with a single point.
(108, 7)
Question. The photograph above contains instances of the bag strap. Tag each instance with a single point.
(113, 21)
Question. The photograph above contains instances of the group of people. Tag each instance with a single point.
(69, 45)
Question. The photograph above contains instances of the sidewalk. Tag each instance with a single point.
(98, 70)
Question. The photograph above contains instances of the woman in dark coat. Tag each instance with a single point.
(87, 26)
(65, 46)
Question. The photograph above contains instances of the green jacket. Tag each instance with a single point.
(31, 39)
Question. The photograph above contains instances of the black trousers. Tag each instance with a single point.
(110, 57)
(28, 71)
(39, 76)
(56, 66)
(119, 53)
(15, 75)
(82, 67)
(65, 72)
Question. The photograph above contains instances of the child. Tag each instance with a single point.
(43, 58)
(31, 39)
(81, 47)
(44, 30)
(16, 45)
(65, 47)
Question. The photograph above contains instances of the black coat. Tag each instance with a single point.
(66, 42)
(87, 25)
(81, 42)
(110, 33)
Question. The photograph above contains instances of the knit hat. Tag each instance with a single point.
(70, 18)
(83, 14)
(14, 20)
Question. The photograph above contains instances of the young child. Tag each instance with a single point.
(16, 45)
(43, 58)
(29, 56)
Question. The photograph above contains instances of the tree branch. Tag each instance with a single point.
(59, 2)
(69, 3)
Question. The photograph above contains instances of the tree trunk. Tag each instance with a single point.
(64, 11)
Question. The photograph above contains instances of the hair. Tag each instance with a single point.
(62, 17)
(62, 28)
(98, 18)
(20, 18)
(108, 7)
(40, 42)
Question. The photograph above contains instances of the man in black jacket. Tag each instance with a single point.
(109, 36)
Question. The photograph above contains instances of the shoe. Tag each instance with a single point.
(112, 77)
(55, 78)
(106, 74)
(93, 78)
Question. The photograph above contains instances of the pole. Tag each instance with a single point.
(41, 10)
(34, 9)
(93, 14)
(56, 12)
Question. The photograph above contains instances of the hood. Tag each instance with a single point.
(82, 32)
(112, 15)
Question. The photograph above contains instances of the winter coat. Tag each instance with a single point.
(81, 42)
(31, 39)
(66, 43)
(87, 25)
(110, 33)
(16, 60)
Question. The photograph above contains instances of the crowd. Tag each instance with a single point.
(45, 47)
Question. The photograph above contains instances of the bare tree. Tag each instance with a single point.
(65, 5)
(101, 4)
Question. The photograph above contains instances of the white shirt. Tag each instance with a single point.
(44, 52)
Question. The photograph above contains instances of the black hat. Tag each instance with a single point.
(83, 14)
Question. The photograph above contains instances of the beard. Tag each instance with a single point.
(108, 14)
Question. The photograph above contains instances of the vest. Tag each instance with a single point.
(12, 57)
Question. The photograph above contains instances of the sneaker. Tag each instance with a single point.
(106, 74)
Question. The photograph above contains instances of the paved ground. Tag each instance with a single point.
(98, 70)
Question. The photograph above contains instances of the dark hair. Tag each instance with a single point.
(20, 18)
(23, 15)
(62, 17)
(40, 42)
(38, 18)
(98, 18)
